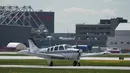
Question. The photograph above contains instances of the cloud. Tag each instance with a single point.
(48, 8)
(79, 10)
(6, 2)
(105, 1)
(109, 12)
(116, 2)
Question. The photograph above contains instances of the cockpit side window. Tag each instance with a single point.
(51, 48)
(61, 48)
(56, 48)
(48, 49)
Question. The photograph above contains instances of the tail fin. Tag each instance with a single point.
(32, 45)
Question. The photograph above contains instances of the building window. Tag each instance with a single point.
(128, 42)
(121, 42)
(104, 33)
(100, 33)
(108, 33)
(88, 39)
(98, 38)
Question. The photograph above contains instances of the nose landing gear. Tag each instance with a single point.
(50, 63)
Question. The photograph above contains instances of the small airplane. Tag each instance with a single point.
(58, 52)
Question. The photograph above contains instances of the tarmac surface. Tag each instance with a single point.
(63, 67)
(67, 67)
(8, 52)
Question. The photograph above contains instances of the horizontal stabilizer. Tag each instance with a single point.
(92, 54)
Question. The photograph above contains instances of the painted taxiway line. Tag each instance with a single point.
(20, 57)
(8, 53)
(67, 67)
(83, 58)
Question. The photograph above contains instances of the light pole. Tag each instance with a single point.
(45, 31)
(49, 37)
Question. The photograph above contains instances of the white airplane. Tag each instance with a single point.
(60, 52)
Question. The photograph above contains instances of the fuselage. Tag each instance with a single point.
(66, 54)
(60, 52)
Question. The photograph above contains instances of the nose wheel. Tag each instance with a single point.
(50, 63)
(76, 63)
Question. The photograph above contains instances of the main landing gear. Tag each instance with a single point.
(76, 63)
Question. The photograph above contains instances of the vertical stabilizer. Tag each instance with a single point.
(32, 45)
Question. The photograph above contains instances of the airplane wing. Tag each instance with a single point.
(92, 54)
(54, 56)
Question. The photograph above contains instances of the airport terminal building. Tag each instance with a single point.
(96, 34)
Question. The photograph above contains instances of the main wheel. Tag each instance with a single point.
(74, 63)
(78, 64)
(51, 63)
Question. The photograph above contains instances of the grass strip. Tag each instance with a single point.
(67, 62)
(111, 55)
(38, 70)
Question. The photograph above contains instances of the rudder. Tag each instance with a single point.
(32, 45)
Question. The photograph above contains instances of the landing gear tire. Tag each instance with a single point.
(74, 63)
(78, 64)
(51, 63)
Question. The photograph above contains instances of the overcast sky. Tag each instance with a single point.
(70, 12)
